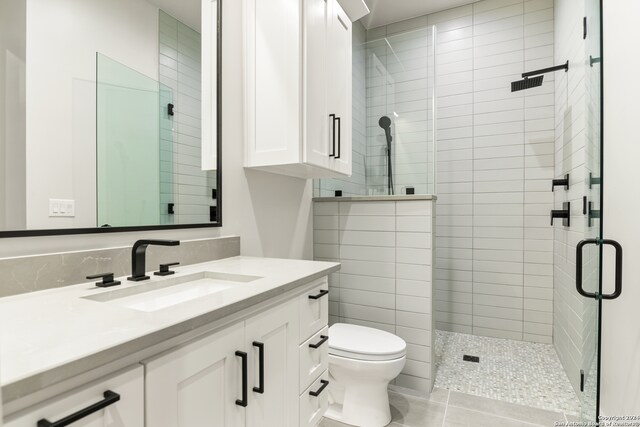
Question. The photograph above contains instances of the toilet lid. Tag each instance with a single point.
(360, 342)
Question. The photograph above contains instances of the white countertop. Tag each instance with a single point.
(59, 331)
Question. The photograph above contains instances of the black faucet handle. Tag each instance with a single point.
(107, 279)
(164, 269)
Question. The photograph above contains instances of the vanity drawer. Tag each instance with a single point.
(314, 357)
(314, 309)
(314, 401)
(122, 395)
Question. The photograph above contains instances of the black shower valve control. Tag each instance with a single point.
(560, 182)
(564, 213)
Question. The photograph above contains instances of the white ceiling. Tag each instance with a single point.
(185, 11)
(385, 12)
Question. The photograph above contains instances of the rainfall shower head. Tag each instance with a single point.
(526, 83)
(534, 78)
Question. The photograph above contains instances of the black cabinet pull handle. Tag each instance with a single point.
(324, 339)
(618, 278)
(243, 402)
(324, 385)
(339, 133)
(333, 140)
(260, 388)
(322, 293)
(110, 397)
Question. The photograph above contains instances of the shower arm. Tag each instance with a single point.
(564, 67)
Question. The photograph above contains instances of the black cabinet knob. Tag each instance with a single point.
(164, 269)
(107, 279)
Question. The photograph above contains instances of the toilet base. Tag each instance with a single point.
(366, 406)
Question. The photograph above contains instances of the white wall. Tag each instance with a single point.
(621, 317)
(271, 213)
(63, 37)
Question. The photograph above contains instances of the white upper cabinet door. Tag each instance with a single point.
(273, 108)
(122, 398)
(198, 384)
(274, 401)
(339, 102)
(316, 118)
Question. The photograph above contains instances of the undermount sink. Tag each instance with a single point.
(156, 295)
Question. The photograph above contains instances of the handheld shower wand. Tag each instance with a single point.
(385, 123)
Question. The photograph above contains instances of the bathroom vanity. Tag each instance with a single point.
(234, 342)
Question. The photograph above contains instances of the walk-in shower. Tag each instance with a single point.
(446, 93)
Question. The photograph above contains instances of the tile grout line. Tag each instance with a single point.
(446, 406)
(502, 416)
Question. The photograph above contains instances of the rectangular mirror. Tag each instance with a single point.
(109, 115)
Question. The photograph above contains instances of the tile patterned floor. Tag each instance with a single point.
(446, 408)
(511, 371)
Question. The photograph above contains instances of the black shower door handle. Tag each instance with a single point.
(260, 388)
(618, 275)
(243, 402)
(333, 139)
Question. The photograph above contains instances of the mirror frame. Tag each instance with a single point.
(218, 223)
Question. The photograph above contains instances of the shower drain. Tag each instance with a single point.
(468, 358)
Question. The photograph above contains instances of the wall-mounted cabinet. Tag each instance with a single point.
(298, 87)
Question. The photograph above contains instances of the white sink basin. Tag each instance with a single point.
(152, 296)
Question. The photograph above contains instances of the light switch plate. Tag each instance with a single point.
(62, 208)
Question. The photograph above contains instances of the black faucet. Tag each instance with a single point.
(138, 257)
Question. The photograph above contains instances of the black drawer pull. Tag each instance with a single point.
(324, 339)
(320, 294)
(243, 402)
(110, 398)
(324, 385)
(260, 388)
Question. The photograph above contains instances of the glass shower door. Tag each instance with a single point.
(589, 249)
(128, 151)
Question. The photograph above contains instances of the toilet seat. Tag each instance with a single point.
(363, 343)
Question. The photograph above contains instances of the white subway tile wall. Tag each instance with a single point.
(183, 182)
(385, 248)
(494, 262)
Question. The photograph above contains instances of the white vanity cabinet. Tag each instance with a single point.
(298, 87)
(248, 374)
(264, 367)
(118, 401)
(197, 384)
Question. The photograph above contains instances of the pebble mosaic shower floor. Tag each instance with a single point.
(513, 371)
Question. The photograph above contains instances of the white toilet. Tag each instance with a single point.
(362, 362)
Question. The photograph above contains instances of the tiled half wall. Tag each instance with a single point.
(385, 248)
